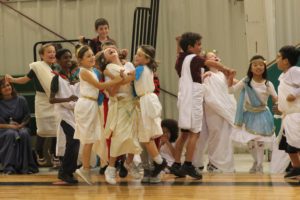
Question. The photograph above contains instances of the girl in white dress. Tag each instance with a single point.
(150, 107)
(87, 115)
(219, 112)
(122, 115)
(254, 121)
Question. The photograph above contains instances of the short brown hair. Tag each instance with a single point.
(101, 22)
(43, 47)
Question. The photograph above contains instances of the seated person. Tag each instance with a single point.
(167, 140)
(15, 147)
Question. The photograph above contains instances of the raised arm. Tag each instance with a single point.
(236, 87)
(19, 80)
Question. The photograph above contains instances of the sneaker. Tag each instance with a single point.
(159, 167)
(259, 169)
(55, 161)
(85, 175)
(155, 179)
(146, 176)
(41, 161)
(102, 170)
(253, 168)
(133, 170)
(110, 175)
(190, 170)
(200, 169)
(295, 172)
(67, 178)
(123, 172)
(212, 169)
(175, 169)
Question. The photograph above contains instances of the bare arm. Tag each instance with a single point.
(219, 66)
(87, 76)
(9, 126)
(19, 80)
(53, 99)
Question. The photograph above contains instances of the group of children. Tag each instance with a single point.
(107, 105)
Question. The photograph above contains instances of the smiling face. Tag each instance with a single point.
(258, 67)
(88, 59)
(140, 58)
(5, 88)
(65, 61)
(102, 31)
(49, 55)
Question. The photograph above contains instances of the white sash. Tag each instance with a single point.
(44, 74)
(218, 98)
(190, 99)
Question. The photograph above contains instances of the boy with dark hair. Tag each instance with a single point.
(289, 105)
(102, 29)
(190, 67)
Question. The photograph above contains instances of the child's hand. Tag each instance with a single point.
(123, 53)
(81, 39)
(73, 98)
(118, 79)
(122, 73)
(290, 98)
(275, 109)
(163, 139)
(131, 73)
(230, 79)
(9, 78)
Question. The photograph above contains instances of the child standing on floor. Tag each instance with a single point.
(219, 111)
(122, 113)
(149, 125)
(190, 67)
(254, 121)
(87, 116)
(289, 105)
(64, 92)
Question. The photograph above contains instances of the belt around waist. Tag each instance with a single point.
(255, 109)
(90, 98)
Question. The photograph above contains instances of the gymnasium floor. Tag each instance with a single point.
(240, 185)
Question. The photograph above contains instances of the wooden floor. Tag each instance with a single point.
(213, 186)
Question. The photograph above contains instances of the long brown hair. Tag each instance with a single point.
(13, 90)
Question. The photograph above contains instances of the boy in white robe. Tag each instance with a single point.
(289, 105)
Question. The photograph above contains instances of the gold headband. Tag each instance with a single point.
(258, 60)
(78, 50)
(143, 52)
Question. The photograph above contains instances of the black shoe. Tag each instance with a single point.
(175, 169)
(123, 172)
(67, 178)
(289, 168)
(190, 170)
(102, 170)
(295, 172)
(158, 168)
